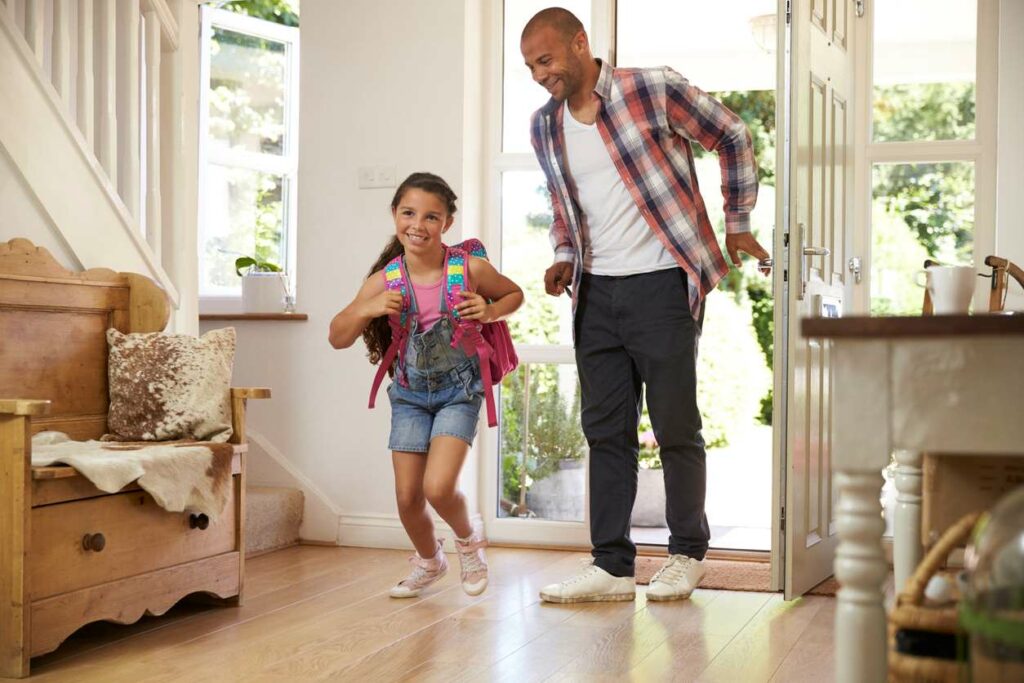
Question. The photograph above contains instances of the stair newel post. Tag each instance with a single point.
(106, 72)
(85, 86)
(128, 104)
(61, 50)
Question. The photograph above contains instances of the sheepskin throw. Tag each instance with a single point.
(170, 386)
(180, 477)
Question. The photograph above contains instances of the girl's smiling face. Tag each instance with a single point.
(420, 219)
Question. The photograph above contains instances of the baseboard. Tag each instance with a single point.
(386, 531)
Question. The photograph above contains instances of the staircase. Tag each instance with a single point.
(272, 518)
(98, 117)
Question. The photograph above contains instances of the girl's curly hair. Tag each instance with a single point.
(377, 334)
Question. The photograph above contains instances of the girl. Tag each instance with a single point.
(433, 419)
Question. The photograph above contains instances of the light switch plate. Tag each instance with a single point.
(376, 176)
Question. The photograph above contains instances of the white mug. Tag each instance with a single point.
(950, 288)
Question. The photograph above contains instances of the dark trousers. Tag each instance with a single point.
(631, 332)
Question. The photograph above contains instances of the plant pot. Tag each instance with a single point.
(263, 292)
(560, 496)
(649, 508)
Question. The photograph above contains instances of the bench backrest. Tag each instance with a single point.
(53, 325)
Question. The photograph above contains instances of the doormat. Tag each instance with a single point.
(730, 575)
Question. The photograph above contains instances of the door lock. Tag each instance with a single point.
(854, 265)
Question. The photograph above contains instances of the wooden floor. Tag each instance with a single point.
(315, 613)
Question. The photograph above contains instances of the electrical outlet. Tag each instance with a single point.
(376, 176)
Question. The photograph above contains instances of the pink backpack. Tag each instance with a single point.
(491, 342)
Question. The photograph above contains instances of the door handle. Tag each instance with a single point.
(816, 251)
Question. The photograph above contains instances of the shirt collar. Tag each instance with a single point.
(603, 88)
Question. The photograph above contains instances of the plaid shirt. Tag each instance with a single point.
(647, 119)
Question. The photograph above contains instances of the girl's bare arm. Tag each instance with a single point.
(371, 301)
(505, 295)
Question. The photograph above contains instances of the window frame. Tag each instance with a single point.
(285, 165)
(981, 151)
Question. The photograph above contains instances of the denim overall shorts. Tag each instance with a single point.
(444, 391)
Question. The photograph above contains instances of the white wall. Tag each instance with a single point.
(1010, 172)
(381, 83)
(21, 215)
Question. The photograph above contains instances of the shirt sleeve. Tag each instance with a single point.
(695, 115)
(558, 233)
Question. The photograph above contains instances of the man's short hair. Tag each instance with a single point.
(558, 18)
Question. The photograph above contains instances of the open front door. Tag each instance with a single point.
(820, 195)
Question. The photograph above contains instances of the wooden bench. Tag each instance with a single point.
(71, 554)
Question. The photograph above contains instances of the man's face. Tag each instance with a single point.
(554, 61)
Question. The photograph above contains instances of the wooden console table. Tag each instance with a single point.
(941, 384)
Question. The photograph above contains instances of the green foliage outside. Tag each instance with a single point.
(922, 210)
(284, 12)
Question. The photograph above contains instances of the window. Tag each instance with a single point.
(929, 152)
(248, 149)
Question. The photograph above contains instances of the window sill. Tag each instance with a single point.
(287, 317)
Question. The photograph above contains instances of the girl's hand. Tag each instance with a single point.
(388, 302)
(474, 307)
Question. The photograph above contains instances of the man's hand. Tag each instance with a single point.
(745, 242)
(557, 277)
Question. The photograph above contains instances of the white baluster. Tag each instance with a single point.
(106, 74)
(62, 49)
(153, 233)
(861, 569)
(906, 534)
(128, 104)
(34, 22)
(85, 86)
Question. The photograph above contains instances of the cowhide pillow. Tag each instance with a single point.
(170, 386)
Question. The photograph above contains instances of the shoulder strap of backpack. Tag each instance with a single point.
(395, 279)
(468, 332)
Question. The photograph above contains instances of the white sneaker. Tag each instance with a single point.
(593, 584)
(676, 579)
(424, 573)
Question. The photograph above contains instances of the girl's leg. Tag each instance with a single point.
(440, 482)
(412, 505)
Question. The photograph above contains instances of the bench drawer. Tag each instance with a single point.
(138, 536)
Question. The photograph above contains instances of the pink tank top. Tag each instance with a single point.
(428, 302)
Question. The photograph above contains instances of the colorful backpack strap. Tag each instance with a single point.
(467, 333)
(395, 279)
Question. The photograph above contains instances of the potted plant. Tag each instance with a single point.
(649, 507)
(264, 286)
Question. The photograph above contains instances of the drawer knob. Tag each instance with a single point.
(198, 521)
(94, 542)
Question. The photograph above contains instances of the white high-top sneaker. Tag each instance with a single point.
(425, 571)
(676, 579)
(592, 584)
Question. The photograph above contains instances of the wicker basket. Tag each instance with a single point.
(911, 614)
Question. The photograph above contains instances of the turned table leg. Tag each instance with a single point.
(906, 535)
(861, 569)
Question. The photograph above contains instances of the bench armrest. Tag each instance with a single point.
(250, 392)
(23, 406)
(239, 395)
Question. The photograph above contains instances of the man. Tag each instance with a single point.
(633, 240)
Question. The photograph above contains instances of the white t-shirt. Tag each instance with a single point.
(617, 239)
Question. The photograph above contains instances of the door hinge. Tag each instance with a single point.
(782, 519)
(858, 7)
(789, 11)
